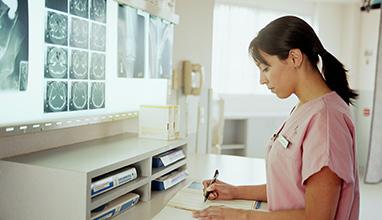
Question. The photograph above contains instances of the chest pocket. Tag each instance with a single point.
(287, 144)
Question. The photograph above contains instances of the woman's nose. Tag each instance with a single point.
(263, 79)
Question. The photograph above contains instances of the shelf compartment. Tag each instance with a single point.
(117, 206)
(158, 172)
(117, 192)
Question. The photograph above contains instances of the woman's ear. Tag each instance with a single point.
(296, 57)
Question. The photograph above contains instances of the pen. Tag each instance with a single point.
(211, 182)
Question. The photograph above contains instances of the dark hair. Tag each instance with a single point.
(289, 32)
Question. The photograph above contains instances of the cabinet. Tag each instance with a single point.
(55, 184)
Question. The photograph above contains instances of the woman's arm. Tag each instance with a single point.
(257, 192)
(321, 199)
(224, 191)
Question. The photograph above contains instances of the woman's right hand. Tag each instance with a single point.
(219, 190)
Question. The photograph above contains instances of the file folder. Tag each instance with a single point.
(116, 207)
(168, 158)
(169, 180)
(112, 180)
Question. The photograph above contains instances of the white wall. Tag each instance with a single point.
(193, 41)
(339, 26)
(366, 78)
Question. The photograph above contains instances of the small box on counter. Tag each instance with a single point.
(159, 122)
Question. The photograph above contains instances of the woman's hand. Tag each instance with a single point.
(219, 190)
(219, 213)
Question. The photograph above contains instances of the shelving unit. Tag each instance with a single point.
(55, 184)
(234, 137)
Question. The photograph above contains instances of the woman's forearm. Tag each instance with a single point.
(256, 192)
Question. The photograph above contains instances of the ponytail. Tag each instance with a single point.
(335, 76)
(289, 32)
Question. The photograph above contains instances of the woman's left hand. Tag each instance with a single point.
(219, 213)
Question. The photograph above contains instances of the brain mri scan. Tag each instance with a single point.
(56, 96)
(79, 65)
(56, 29)
(97, 68)
(79, 96)
(23, 70)
(79, 8)
(97, 96)
(56, 65)
(98, 37)
(98, 10)
(79, 33)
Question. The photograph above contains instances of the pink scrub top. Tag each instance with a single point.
(318, 134)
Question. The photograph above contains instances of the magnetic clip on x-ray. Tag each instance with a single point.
(192, 78)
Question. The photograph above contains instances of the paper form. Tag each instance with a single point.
(191, 198)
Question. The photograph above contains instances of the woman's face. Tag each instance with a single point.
(279, 75)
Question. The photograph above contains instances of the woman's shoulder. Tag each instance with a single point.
(327, 108)
(332, 110)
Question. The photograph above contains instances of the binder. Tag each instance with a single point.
(116, 207)
(112, 180)
(169, 180)
(168, 158)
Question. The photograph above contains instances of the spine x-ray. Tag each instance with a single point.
(13, 45)
(131, 43)
(75, 37)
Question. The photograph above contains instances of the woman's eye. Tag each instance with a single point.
(266, 69)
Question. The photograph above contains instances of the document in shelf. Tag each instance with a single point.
(191, 198)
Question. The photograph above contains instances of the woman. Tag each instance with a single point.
(311, 166)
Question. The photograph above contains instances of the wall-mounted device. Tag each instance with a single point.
(192, 78)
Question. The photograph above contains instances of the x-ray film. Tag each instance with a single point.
(60, 5)
(79, 32)
(56, 63)
(79, 64)
(98, 37)
(97, 95)
(13, 44)
(98, 10)
(56, 31)
(78, 96)
(77, 28)
(23, 70)
(79, 8)
(97, 66)
(161, 42)
(56, 98)
(131, 44)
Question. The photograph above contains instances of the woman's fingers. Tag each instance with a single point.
(213, 196)
(212, 212)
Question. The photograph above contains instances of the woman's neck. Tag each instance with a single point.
(311, 85)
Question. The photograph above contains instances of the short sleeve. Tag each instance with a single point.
(328, 142)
